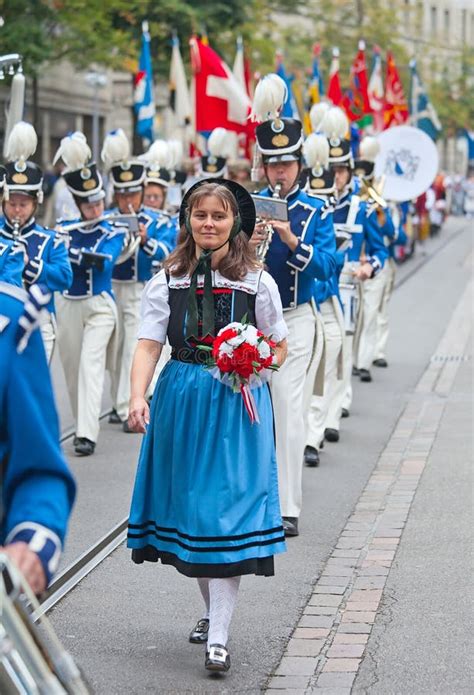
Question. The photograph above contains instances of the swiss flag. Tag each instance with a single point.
(220, 101)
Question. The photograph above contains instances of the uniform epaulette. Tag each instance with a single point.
(36, 301)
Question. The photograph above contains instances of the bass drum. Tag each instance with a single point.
(407, 163)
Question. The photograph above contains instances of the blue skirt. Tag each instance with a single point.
(206, 491)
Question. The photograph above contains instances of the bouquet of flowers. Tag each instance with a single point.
(242, 358)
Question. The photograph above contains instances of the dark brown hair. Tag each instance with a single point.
(238, 260)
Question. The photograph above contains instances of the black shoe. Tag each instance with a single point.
(331, 435)
(75, 441)
(345, 412)
(355, 371)
(380, 362)
(365, 375)
(126, 428)
(290, 526)
(217, 658)
(311, 457)
(114, 418)
(198, 634)
(84, 446)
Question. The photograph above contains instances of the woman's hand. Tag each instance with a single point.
(139, 414)
(364, 271)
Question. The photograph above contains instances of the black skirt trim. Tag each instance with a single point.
(187, 537)
(262, 567)
(207, 548)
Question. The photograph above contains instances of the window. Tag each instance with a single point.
(446, 24)
(464, 26)
(434, 19)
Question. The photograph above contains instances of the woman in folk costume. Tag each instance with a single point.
(301, 251)
(206, 491)
(87, 314)
(46, 257)
(320, 183)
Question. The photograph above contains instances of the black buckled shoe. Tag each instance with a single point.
(114, 418)
(331, 435)
(311, 457)
(84, 446)
(380, 362)
(345, 412)
(365, 375)
(290, 526)
(198, 634)
(217, 658)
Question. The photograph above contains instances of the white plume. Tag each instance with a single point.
(316, 151)
(369, 148)
(15, 108)
(220, 143)
(116, 148)
(158, 154)
(22, 143)
(176, 153)
(270, 95)
(316, 115)
(74, 151)
(335, 124)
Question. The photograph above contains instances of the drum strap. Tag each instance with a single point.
(353, 210)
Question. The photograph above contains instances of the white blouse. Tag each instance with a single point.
(155, 308)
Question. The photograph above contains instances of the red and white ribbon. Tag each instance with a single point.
(250, 405)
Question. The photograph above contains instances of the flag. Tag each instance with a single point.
(334, 88)
(241, 72)
(422, 112)
(315, 88)
(375, 91)
(180, 102)
(143, 100)
(219, 100)
(356, 100)
(289, 110)
(395, 105)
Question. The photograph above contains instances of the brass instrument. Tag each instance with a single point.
(32, 660)
(132, 237)
(262, 248)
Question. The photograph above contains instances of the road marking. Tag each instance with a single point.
(327, 646)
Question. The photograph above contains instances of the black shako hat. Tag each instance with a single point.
(280, 140)
(364, 168)
(85, 183)
(245, 203)
(317, 182)
(158, 175)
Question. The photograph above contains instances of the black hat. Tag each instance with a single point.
(213, 167)
(85, 183)
(335, 126)
(364, 168)
(244, 200)
(280, 140)
(26, 178)
(178, 177)
(128, 177)
(158, 175)
(318, 182)
(340, 152)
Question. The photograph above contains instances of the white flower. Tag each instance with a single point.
(264, 350)
(235, 342)
(226, 349)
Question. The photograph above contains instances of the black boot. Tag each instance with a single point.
(114, 418)
(331, 435)
(365, 375)
(311, 457)
(344, 412)
(84, 446)
(380, 362)
(290, 526)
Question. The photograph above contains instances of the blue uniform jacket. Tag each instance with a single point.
(11, 262)
(48, 261)
(295, 272)
(161, 241)
(88, 280)
(36, 488)
(364, 229)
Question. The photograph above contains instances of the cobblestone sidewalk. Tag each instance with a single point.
(327, 647)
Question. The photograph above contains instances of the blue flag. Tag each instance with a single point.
(144, 103)
(289, 110)
(422, 111)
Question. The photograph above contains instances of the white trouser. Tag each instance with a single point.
(382, 316)
(289, 387)
(85, 327)
(48, 329)
(319, 407)
(127, 295)
(372, 294)
(342, 396)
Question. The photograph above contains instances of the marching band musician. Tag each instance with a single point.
(156, 240)
(157, 178)
(36, 488)
(373, 291)
(46, 254)
(319, 181)
(301, 251)
(12, 262)
(87, 314)
(362, 261)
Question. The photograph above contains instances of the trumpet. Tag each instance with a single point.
(32, 660)
(262, 248)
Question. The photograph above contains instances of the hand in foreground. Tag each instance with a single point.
(29, 565)
(259, 235)
(364, 271)
(283, 230)
(139, 415)
(142, 233)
